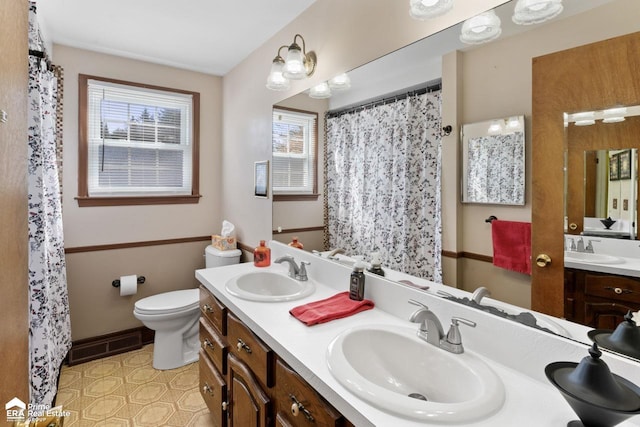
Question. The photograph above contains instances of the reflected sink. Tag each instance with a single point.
(268, 286)
(394, 370)
(594, 258)
(542, 320)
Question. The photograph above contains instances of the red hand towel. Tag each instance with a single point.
(512, 245)
(335, 307)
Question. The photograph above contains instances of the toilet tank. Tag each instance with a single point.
(217, 258)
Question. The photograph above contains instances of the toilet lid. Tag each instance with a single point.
(169, 302)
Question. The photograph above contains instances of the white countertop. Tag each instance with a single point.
(516, 353)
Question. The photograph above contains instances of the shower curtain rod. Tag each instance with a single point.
(431, 87)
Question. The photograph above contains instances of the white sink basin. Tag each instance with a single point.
(592, 258)
(392, 369)
(268, 286)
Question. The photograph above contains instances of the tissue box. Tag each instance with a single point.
(223, 243)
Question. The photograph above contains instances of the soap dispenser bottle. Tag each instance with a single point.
(356, 282)
(262, 255)
(376, 264)
(295, 243)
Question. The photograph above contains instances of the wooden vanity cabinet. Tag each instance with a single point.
(245, 384)
(599, 300)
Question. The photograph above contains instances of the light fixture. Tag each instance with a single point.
(495, 128)
(529, 12)
(614, 115)
(514, 124)
(584, 118)
(320, 91)
(481, 28)
(424, 9)
(277, 81)
(299, 64)
(340, 82)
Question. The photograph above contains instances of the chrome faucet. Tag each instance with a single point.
(431, 330)
(589, 248)
(298, 273)
(480, 293)
(335, 252)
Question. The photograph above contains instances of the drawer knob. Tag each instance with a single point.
(206, 343)
(243, 346)
(206, 389)
(297, 407)
(619, 291)
(225, 405)
(207, 308)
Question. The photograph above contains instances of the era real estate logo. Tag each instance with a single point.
(17, 410)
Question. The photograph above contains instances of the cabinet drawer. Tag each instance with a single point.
(213, 310)
(213, 389)
(613, 287)
(214, 345)
(251, 350)
(300, 402)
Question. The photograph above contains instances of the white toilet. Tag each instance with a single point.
(174, 316)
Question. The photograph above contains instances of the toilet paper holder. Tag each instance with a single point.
(140, 280)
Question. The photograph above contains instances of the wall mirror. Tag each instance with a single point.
(601, 174)
(422, 62)
(493, 161)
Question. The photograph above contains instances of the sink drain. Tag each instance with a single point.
(418, 396)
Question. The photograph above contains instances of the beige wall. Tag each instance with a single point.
(497, 81)
(96, 308)
(14, 277)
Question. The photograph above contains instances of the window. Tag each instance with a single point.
(294, 157)
(138, 144)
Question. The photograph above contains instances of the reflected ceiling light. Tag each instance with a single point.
(425, 9)
(276, 80)
(514, 124)
(299, 64)
(614, 115)
(340, 82)
(586, 118)
(529, 12)
(320, 91)
(495, 128)
(481, 28)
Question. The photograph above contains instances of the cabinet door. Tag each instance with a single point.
(604, 315)
(214, 391)
(249, 404)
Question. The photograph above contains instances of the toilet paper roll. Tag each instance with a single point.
(128, 285)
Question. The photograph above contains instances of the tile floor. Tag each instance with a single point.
(125, 390)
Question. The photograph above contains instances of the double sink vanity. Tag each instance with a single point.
(261, 366)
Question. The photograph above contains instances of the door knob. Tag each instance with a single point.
(543, 260)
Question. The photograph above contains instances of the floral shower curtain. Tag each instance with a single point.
(383, 183)
(49, 323)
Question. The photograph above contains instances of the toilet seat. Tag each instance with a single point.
(169, 302)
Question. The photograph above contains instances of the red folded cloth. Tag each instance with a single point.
(512, 245)
(335, 307)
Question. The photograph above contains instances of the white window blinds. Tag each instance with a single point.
(139, 141)
(294, 152)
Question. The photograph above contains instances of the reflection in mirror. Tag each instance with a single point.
(610, 180)
(501, 93)
(493, 161)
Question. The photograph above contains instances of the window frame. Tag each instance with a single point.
(86, 200)
(293, 196)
